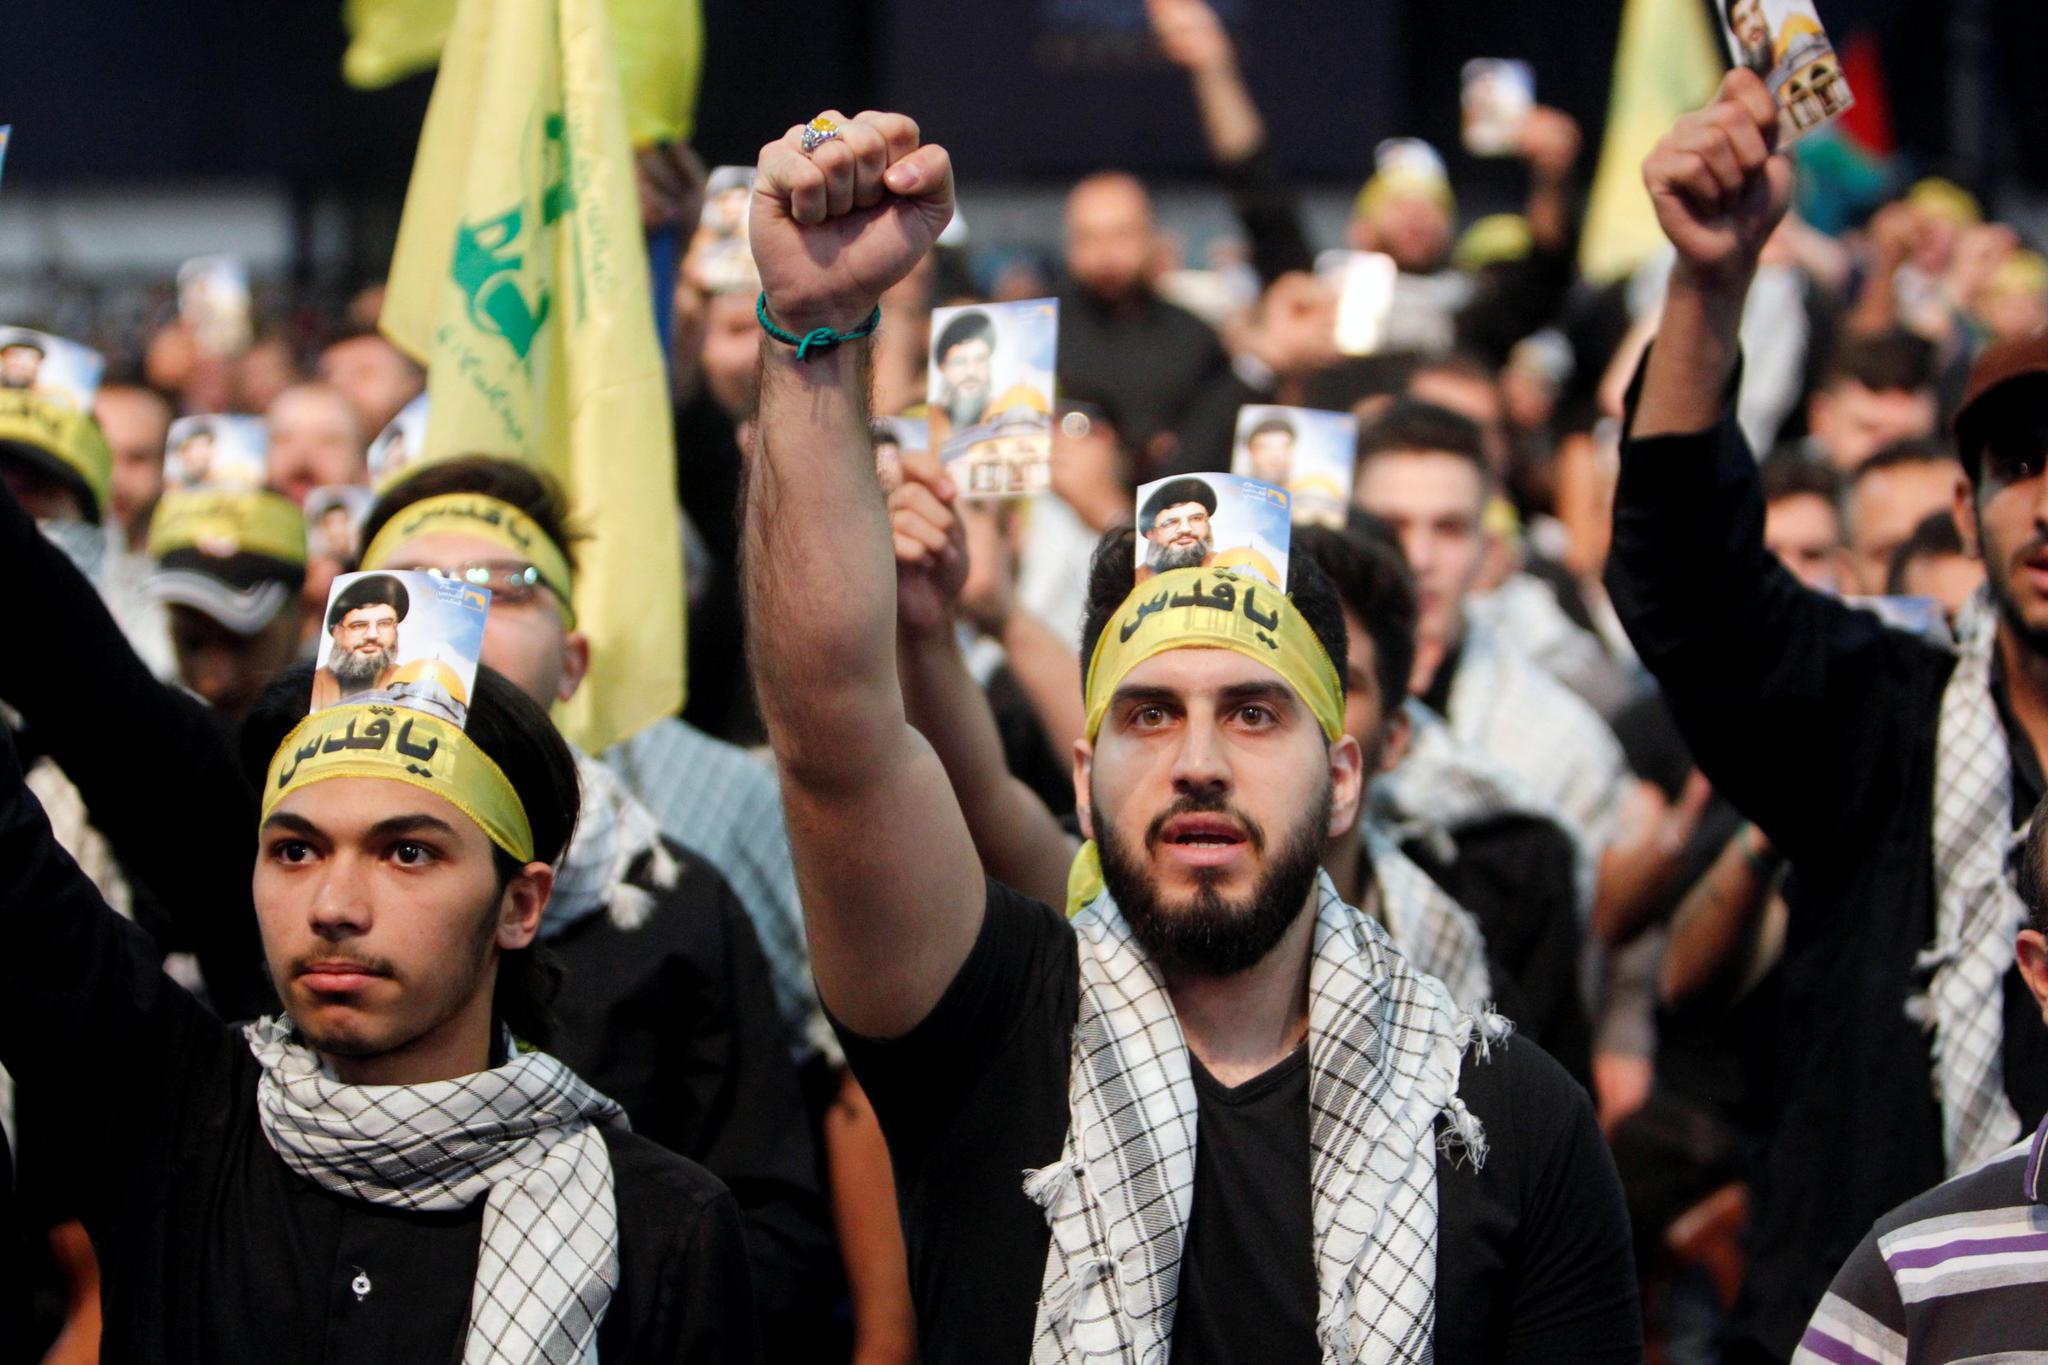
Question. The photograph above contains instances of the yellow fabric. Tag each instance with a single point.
(1498, 237)
(64, 433)
(396, 744)
(1203, 609)
(1084, 878)
(660, 54)
(486, 518)
(520, 281)
(1946, 200)
(1387, 186)
(1667, 62)
(252, 522)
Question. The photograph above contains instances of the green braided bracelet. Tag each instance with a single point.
(818, 340)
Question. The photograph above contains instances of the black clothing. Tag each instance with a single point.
(721, 700)
(1518, 876)
(1248, 1276)
(210, 1248)
(1266, 206)
(1532, 1261)
(675, 1019)
(118, 734)
(1819, 724)
(1144, 360)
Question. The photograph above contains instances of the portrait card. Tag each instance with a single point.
(216, 451)
(50, 367)
(1784, 43)
(991, 396)
(399, 446)
(1214, 521)
(895, 437)
(1365, 282)
(721, 260)
(401, 638)
(1495, 101)
(213, 300)
(1310, 453)
(334, 520)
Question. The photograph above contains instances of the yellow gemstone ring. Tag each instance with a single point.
(818, 132)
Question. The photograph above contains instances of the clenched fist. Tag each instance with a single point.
(1719, 184)
(833, 228)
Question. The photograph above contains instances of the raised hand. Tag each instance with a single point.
(1719, 185)
(1190, 34)
(832, 228)
(1550, 143)
(931, 544)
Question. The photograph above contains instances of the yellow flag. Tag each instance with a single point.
(1666, 64)
(520, 281)
(660, 47)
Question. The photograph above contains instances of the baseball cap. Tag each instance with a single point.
(237, 556)
(2001, 371)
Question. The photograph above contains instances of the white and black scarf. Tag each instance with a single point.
(523, 1137)
(1977, 911)
(615, 831)
(1438, 936)
(1385, 1046)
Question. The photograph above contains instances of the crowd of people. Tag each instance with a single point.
(1595, 907)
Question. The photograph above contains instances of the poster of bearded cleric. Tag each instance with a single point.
(1214, 521)
(404, 639)
(1784, 43)
(991, 396)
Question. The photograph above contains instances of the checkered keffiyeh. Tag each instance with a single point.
(1437, 935)
(614, 832)
(1385, 1043)
(1976, 909)
(1533, 725)
(522, 1137)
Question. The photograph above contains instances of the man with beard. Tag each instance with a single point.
(21, 361)
(1270, 447)
(1043, 1083)
(1176, 522)
(1893, 773)
(1752, 35)
(962, 356)
(363, 621)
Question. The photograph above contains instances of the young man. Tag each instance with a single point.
(1956, 1273)
(1892, 773)
(382, 1171)
(1037, 1223)
(1803, 519)
(229, 569)
(669, 1006)
(1887, 498)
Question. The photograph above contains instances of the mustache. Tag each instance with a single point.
(1195, 804)
(340, 957)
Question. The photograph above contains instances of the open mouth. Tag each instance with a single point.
(1203, 840)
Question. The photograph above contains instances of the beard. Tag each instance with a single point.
(1210, 936)
(965, 405)
(1998, 582)
(357, 670)
(1758, 58)
(1167, 558)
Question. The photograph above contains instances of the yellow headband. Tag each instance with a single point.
(401, 745)
(224, 523)
(1204, 609)
(61, 433)
(1403, 183)
(486, 518)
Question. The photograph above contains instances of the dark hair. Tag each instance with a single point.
(1363, 561)
(1884, 362)
(1112, 572)
(1413, 427)
(376, 589)
(1789, 474)
(518, 736)
(1458, 365)
(2033, 879)
(1934, 538)
(509, 481)
(1175, 494)
(1914, 450)
(1271, 426)
(969, 326)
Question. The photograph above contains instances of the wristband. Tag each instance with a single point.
(818, 340)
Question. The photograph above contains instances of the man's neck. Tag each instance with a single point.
(2026, 685)
(1344, 860)
(1242, 1026)
(460, 1046)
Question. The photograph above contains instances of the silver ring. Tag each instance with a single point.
(818, 132)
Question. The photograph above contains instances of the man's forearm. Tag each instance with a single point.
(1050, 674)
(1692, 358)
(820, 580)
(1018, 840)
(1230, 118)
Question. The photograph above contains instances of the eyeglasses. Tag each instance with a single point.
(511, 584)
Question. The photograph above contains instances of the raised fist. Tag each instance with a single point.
(1190, 34)
(1718, 184)
(834, 227)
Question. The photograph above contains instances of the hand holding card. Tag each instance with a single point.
(1782, 41)
(991, 394)
(1496, 100)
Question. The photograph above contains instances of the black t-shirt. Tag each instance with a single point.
(1533, 1259)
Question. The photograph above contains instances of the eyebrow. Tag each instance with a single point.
(1237, 693)
(391, 828)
